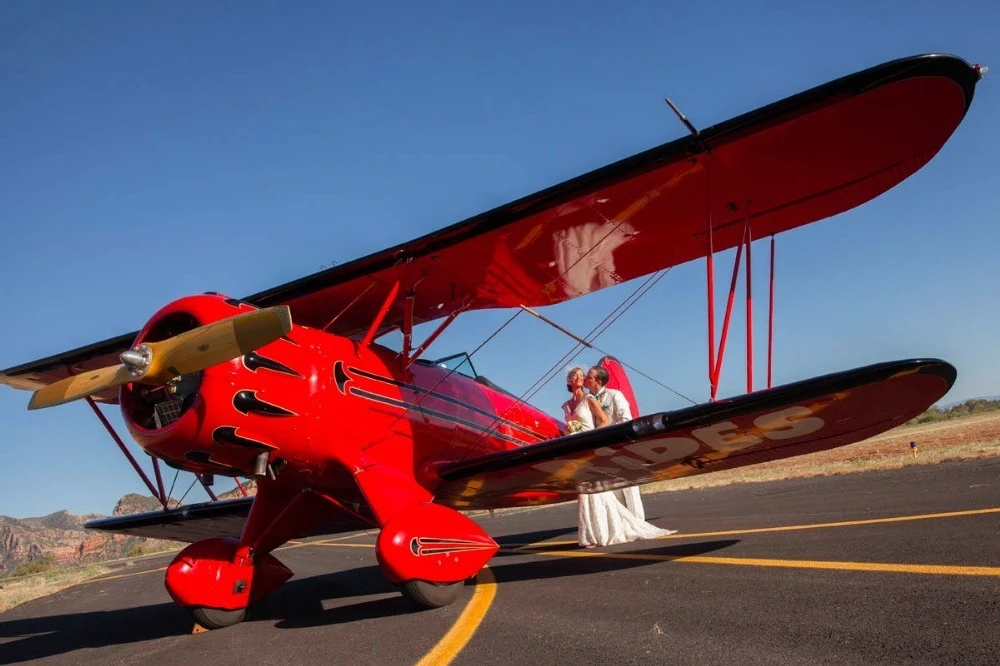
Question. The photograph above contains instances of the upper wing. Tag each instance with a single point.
(201, 521)
(793, 162)
(805, 417)
(790, 163)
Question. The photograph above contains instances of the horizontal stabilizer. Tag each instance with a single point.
(211, 519)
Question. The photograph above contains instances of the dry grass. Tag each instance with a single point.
(14, 591)
(758, 473)
(957, 439)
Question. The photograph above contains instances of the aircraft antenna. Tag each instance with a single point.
(687, 123)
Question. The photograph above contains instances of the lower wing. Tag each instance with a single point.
(804, 417)
(211, 519)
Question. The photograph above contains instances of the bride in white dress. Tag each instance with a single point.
(582, 410)
(614, 516)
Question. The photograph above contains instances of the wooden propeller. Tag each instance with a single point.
(156, 363)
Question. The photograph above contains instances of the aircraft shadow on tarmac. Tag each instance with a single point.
(562, 567)
(300, 602)
(509, 540)
(59, 634)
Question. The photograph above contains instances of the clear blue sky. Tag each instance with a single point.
(152, 150)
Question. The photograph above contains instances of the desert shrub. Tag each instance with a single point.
(967, 408)
(37, 565)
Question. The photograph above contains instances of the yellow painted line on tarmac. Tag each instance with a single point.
(465, 626)
(294, 543)
(349, 536)
(929, 569)
(128, 575)
(786, 528)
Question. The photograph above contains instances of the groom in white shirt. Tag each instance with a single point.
(613, 401)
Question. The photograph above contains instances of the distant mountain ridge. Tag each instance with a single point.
(62, 535)
(59, 534)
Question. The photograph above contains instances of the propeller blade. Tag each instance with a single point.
(214, 343)
(79, 386)
(158, 362)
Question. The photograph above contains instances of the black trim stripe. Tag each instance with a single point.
(247, 401)
(339, 376)
(385, 400)
(254, 362)
(447, 398)
(427, 552)
(227, 435)
(424, 546)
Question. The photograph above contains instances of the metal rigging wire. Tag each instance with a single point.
(171, 491)
(580, 343)
(188, 490)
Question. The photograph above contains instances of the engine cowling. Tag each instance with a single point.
(223, 419)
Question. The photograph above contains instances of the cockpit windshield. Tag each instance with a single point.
(460, 363)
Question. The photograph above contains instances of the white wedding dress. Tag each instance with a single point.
(614, 516)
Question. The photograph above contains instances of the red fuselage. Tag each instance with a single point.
(321, 407)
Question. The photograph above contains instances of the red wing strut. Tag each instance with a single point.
(804, 417)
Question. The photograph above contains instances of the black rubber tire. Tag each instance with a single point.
(214, 618)
(432, 595)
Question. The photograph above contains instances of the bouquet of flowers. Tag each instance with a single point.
(574, 426)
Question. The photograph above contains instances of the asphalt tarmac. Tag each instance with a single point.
(896, 567)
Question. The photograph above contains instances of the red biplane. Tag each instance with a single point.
(289, 387)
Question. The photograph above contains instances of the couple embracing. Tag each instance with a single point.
(614, 516)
